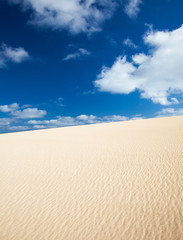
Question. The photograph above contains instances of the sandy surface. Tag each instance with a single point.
(113, 181)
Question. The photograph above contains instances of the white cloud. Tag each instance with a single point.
(137, 117)
(9, 54)
(128, 42)
(39, 126)
(16, 55)
(117, 79)
(139, 58)
(80, 52)
(84, 117)
(17, 116)
(5, 121)
(156, 75)
(132, 8)
(25, 119)
(167, 112)
(58, 122)
(26, 106)
(114, 118)
(18, 128)
(9, 108)
(74, 15)
(15, 110)
(29, 113)
(73, 121)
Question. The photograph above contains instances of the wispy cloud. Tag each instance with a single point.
(59, 102)
(168, 112)
(156, 75)
(16, 55)
(5, 122)
(73, 15)
(9, 54)
(128, 42)
(18, 128)
(132, 8)
(80, 52)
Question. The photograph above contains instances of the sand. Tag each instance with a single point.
(112, 181)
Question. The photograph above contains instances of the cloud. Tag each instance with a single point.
(74, 15)
(9, 108)
(137, 117)
(128, 42)
(132, 8)
(9, 54)
(18, 128)
(64, 121)
(5, 121)
(156, 75)
(16, 55)
(80, 52)
(29, 113)
(114, 118)
(87, 118)
(167, 112)
(26, 106)
(59, 102)
(78, 120)
(73, 121)
(18, 116)
(139, 58)
(2, 62)
(21, 119)
(39, 126)
(15, 110)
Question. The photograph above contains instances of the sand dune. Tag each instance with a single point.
(112, 181)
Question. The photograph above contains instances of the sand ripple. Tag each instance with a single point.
(114, 181)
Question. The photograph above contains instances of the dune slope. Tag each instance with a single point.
(112, 181)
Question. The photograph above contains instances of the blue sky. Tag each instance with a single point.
(65, 63)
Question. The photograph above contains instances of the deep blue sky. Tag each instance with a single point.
(39, 80)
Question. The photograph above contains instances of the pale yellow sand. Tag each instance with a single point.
(113, 181)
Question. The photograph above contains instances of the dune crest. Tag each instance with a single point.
(112, 181)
